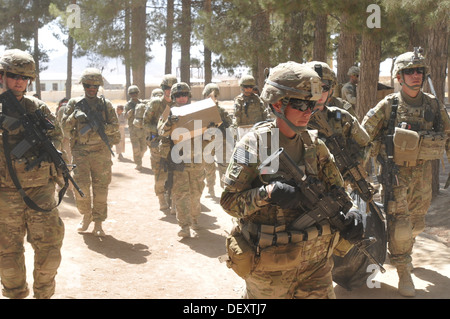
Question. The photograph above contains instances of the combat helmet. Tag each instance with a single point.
(409, 60)
(324, 71)
(168, 81)
(18, 62)
(157, 93)
(92, 76)
(181, 87)
(291, 80)
(209, 88)
(133, 89)
(247, 80)
(353, 70)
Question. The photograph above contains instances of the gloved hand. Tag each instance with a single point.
(354, 230)
(284, 195)
(80, 115)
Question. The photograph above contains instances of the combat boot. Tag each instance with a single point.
(98, 230)
(163, 202)
(85, 222)
(405, 283)
(185, 232)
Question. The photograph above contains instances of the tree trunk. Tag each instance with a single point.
(169, 36)
(36, 56)
(70, 46)
(206, 50)
(437, 59)
(261, 34)
(369, 72)
(346, 52)
(295, 36)
(138, 36)
(320, 38)
(185, 42)
(127, 51)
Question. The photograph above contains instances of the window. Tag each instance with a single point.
(55, 86)
(42, 86)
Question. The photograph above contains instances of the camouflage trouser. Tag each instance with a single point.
(186, 193)
(210, 173)
(407, 218)
(311, 280)
(159, 171)
(93, 169)
(45, 233)
(139, 144)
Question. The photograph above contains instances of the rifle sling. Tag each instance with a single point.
(30, 203)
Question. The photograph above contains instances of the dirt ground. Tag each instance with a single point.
(142, 257)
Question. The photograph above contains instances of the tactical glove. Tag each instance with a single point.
(354, 230)
(80, 116)
(285, 195)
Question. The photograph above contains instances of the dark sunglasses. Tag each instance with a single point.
(17, 76)
(301, 105)
(247, 86)
(412, 70)
(182, 94)
(165, 87)
(90, 86)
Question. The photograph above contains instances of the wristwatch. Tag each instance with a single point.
(263, 194)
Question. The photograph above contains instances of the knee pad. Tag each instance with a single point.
(402, 230)
(10, 268)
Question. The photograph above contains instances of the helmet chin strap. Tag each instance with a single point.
(414, 87)
(280, 115)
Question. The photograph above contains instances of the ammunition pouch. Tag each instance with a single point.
(276, 248)
(412, 147)
(406, 145)
(432, 146)
(241, 255)
(39, 175)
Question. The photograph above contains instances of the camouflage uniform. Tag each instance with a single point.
(212, 90)
(137, 135)
(90, 153)
(248, 108)
(188, 176)
(406, 216)
(339, 119)
(294, 268)
(44, 230)
(153, 111)
(348, 91)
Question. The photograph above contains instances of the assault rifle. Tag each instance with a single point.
(36, 127)
(95, 123)
(345, 159)
(447, 184)
(389, 170)
(317, 204)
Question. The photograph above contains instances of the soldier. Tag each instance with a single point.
(348, 91)
(264, 248)
(137, 135)
(120, 148)
(248, 107)
(212, 90)
(44, 230)
(341, 121)
(420, 139)
(153, 111)
(188, 176)
(92, 124)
